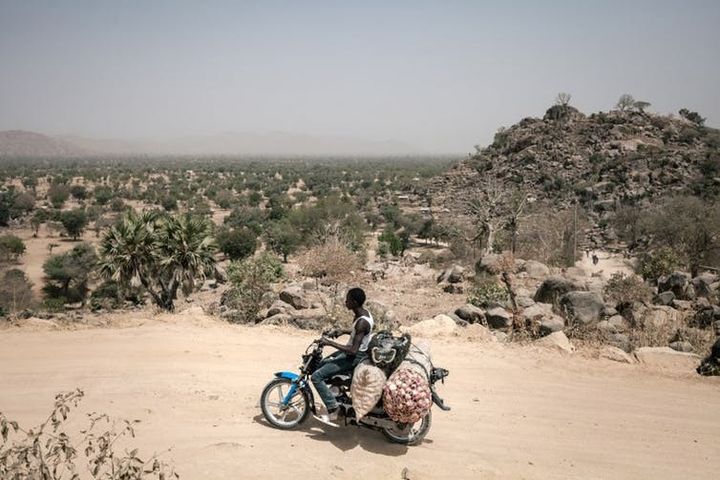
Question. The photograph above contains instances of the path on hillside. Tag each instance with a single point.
(517, 412)
(608, 264)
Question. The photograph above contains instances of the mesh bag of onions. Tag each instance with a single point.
(406, 396)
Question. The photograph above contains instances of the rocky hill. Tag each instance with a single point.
(21, 143)
(603, 160)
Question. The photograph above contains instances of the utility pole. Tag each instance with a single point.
(575, 234)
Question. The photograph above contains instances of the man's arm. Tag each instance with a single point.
(361, 329)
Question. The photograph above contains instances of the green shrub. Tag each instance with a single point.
(654, 265)
(74, 222)
(15, 291)
(56, 304)
(11, 247)
(237, 243)
(622, 289)
(250, 279)
(487, 291)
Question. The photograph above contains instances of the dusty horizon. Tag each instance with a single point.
(428, 78)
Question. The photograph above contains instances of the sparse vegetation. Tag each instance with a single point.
(55, 449)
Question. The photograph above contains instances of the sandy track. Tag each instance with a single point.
(517, 412)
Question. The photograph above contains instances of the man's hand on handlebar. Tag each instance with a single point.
(332, 333)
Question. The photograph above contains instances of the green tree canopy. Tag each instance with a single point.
(160, 252)
(67, 274)
(74, 222)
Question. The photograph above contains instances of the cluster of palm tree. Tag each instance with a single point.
(160, 252)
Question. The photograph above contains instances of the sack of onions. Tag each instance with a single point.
(406, 396)
(366, 388)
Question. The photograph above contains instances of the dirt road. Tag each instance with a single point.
(517, 412)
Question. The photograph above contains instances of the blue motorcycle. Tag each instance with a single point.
(288, 400)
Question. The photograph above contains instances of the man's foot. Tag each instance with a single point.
(330, 418)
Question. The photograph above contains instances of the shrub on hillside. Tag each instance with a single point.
(237, 243)
(250, 279)
(74, 222)
(658, 263)
(622, 289)
(487, 291)
(11, 247)
(67, 275)
(15, 291)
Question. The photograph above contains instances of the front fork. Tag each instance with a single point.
(297, 382)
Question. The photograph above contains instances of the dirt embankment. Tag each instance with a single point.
(518, 412)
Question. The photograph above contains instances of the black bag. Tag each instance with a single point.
(387, 351)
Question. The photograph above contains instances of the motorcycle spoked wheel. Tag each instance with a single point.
(411, 434)
(280, 416)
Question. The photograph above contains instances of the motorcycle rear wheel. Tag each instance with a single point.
(281, 416)
(412, 434)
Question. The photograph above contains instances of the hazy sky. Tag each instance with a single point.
(440, 76)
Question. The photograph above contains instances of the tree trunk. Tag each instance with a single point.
(489, 238)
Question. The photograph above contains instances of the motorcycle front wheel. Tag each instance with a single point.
(281, 416)
(409, 434)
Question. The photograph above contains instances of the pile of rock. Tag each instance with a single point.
(451, 279)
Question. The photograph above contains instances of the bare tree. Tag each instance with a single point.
(626, 102)
(640, 106)
(495, 207)
(563, 99)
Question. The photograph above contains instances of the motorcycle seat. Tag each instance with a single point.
(342, 379)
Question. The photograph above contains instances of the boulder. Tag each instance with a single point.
(617, 322)
(537, 310)
(658, 316)
(454, 274)
(703, 285)
(554, 287)
(681, 346)
(471, 314)
(278, 306)
(498, 318)
(454, 288)
(664, 298)
(234, 316)
(536, 269)
(705, 317)
(633, 313)
(666, 357)
(500, 336)
(524, 301)
(440, 325)
(296, 297)
(582, 307)
(682, 305)
(619, 340)
(491, 263)
(556, 341)
(277, 319)
(678, 283)
(615, 354)
(308, 323)
(550, 324)
(478, 333)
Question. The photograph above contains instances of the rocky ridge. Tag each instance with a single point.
(602, 160)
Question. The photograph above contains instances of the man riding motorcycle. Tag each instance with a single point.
(347, 356)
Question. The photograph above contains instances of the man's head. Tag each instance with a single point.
(355, 298)
(716, 327)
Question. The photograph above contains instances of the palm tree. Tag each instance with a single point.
(162, 253)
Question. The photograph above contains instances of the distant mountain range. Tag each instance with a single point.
(20, 143)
